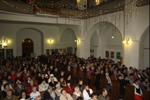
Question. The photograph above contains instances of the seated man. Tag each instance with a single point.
(34, 93)
(43, 86)
(10, 96)
(104, 95)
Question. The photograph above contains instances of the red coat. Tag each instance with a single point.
(69, 90)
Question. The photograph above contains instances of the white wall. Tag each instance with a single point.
(146, 51)
(13, 32)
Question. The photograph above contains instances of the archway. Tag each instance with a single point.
(94, 43)
(105, 31)
(27, 47)
(144, 50)
(30, 33)
(67, 41)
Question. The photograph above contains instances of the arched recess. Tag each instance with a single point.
(144, 50)
(94, 43)
(104, 35)
(67, 40)
(32, 33)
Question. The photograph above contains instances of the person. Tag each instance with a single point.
(137, 90)
(24, 96)
(87, 92)
(109, 83)
(65, 96)
(18, 89)
(6, 88)
(53, 96)
(34, 93)
(58, 90)
(47, 93)
(62, 82)
(43, 86)
(94, 96)
(69, 89)
(38, 98)
(104, 95)
(77, 93)
(29, 88)
(80, 85)
(10, 96)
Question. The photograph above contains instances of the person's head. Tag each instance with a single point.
(120, 77)
(58, 86)
(62, 73)
(6, 86)
(77, 90)
(43, 82)
(56, 69)
(68, 83)
(23, 93)
(131, 75)
(49, 89)
(86, 86)
(53, 95)
(29, 78)
(137, 81)
(104, 92)
(38, 98)
(63, 92)
(34, 88)
(80, 82)
(61, 79)
(94, 96)
(9, 76)
(42, 76)
(19, 85)
(146, 80)
(31, 83)
(9, 93)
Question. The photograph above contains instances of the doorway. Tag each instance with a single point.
(27, 47)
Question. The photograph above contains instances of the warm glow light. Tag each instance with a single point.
(50, 41)
(127, 41)
(76, 40)
(4, 44)
(112, 37)
(78, 1)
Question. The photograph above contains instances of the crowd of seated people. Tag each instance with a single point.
(51, 78)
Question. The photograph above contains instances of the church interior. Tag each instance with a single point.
(74, 50)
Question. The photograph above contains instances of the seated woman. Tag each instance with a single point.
(29, 88)
(58, 90)
(80, 85)
(65, 96)
(77, 93)
(87, 92)
(62, 82)
(69, 89)
(24, 95)
(4, 91)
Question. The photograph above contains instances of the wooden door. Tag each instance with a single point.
(27, 47)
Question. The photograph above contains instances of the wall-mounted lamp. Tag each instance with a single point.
(3, 42)
(76, 40)
(127, 40)
(96, 0)
(50, 41)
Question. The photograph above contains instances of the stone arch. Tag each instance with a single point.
(32, 33)
(67, 39)
(101, 39)
(141, 48)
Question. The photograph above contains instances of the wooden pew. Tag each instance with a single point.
(146, 95)
(93, 77)
(115, 90)
(129, 95)
(102, 83)
(42, 94)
